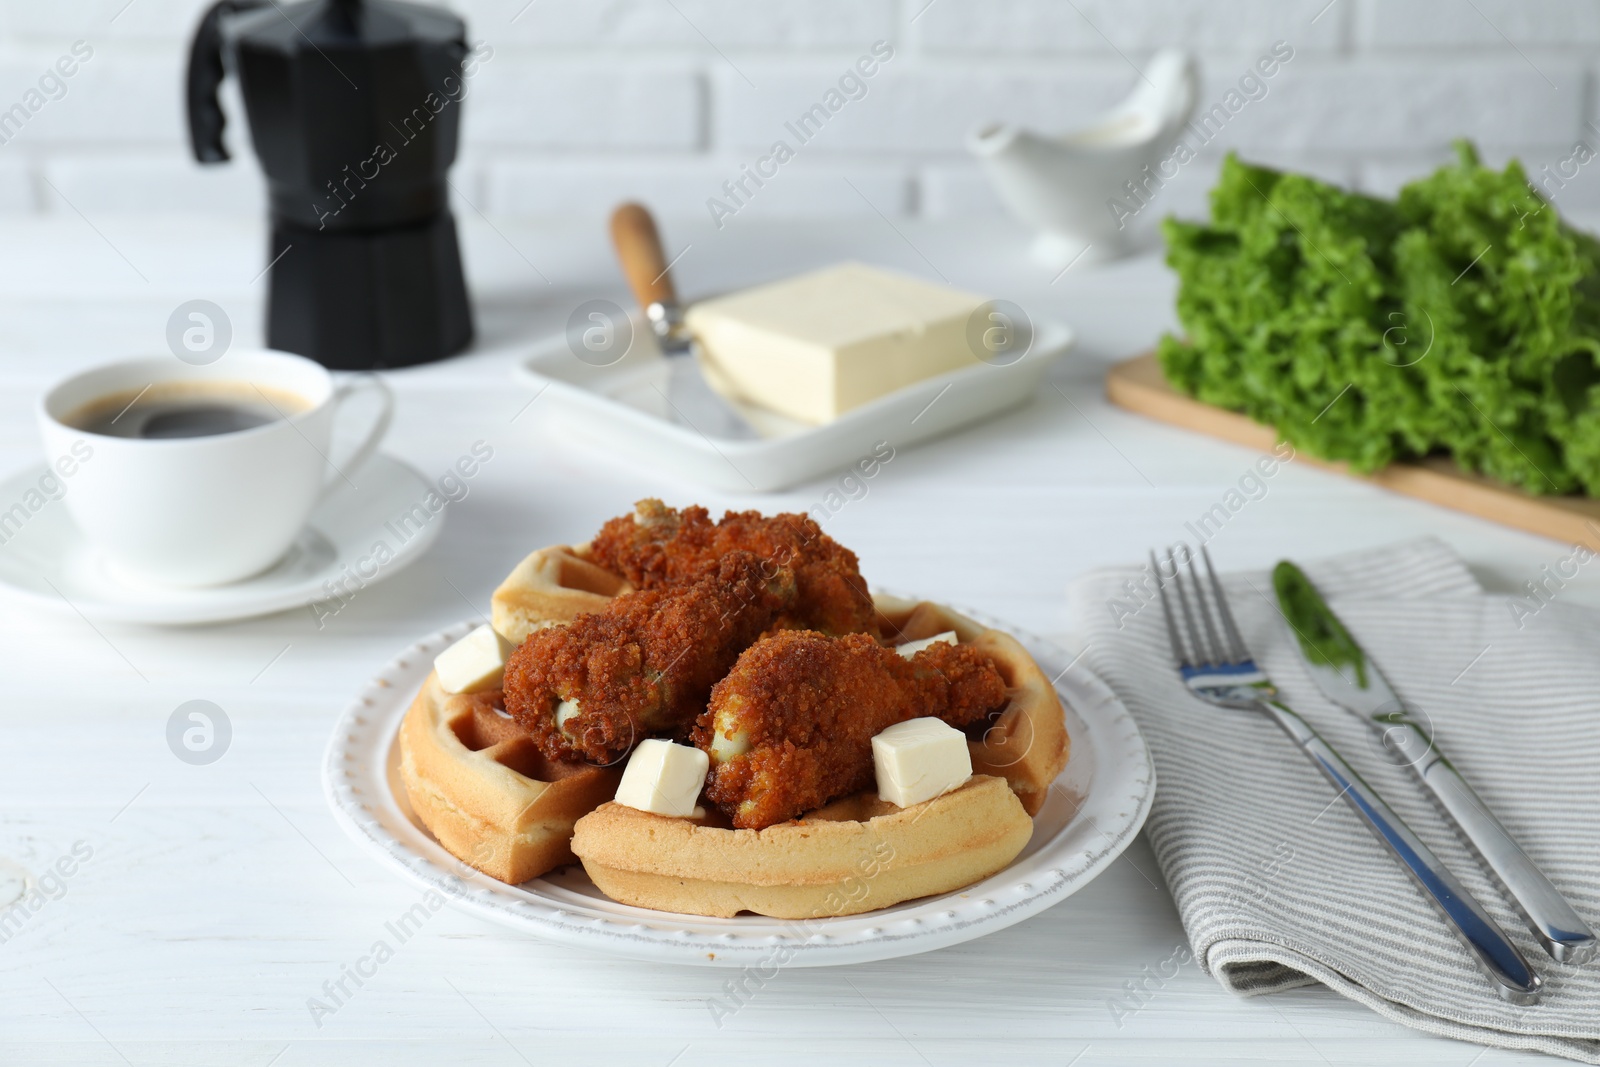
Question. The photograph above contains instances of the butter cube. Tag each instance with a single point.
(911, 648)
(815, 346)
(920, 759)
(664, 778)
(474, 663)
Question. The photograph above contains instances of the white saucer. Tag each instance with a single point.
(1094, 811)
(49, 561)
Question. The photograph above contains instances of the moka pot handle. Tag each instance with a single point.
(206, 71)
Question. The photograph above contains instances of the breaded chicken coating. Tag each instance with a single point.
(659, 546)
(645, 666)
(791, 726)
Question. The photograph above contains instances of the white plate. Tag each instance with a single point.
(50, 562)
(623, 407)
(1094, 811)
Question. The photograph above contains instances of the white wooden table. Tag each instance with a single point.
(219, 898)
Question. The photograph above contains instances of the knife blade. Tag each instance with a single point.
(1347, 675)
(690, 398)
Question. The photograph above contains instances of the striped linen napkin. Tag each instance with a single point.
(1278, 883)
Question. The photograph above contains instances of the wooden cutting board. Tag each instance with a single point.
(1138, 385)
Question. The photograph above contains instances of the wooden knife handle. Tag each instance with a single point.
(644, 262)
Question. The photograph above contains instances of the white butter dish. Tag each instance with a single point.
(623, 408)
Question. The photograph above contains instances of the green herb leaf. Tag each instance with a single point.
(1322, 637)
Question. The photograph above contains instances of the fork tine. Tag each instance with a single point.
(1166, 612)
(1202, 652)
(1224, 655)
(1238, 650)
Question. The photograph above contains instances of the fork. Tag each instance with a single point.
(1217, 667)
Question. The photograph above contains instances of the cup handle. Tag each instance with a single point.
(374, 437)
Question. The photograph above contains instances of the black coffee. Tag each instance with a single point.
(185, 409)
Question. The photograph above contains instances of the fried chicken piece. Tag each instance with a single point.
(645, 666)
(791, 726)
(661, 546)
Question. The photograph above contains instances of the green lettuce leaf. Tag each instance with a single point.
(1462, 319)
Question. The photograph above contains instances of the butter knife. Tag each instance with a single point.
(644, 263)
(1348, 677)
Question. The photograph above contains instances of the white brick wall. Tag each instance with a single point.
(588, 101)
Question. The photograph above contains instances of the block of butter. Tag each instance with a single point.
(474, 663)
(664, 778)
(919, 759)
(815, 346)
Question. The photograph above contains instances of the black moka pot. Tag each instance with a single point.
(355, 109)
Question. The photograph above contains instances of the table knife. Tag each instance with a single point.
(1348, 677)
(644, 264)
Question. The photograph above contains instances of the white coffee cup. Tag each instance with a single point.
(197, 511)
